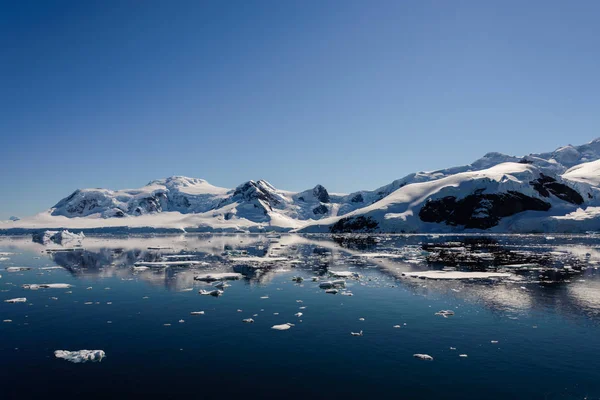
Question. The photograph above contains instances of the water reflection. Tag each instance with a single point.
(561, 273)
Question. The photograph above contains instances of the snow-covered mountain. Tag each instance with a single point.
(554, 191)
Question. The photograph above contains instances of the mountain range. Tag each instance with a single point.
(556, 191)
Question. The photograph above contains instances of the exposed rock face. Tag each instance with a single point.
(478, 210)
(150, 204)
(354, 224)
(546, 185)
(357, 198)
(251, 191)
(320, 210)
(321, 194)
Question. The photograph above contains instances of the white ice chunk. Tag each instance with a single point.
(36, 286)
(215, 292)
(332, 284)
(80, 356)
(218, 277)
(16, 300)
(282, 327)
(17, 269)
(457, 275)
(423, 357)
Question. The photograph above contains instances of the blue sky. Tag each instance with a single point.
(348, 94)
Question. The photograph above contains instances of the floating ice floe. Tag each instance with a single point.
(181, 263)
(397, 326)
(218, 277)
(445, 313)
(248, 320)
(215, 292)
(36, 286)
(51, 268)
(298, 314)
(16, 300)
(494, 341)
(332, 284)
(332, 291)
(80, 356)
(17, 269)
(221, 285)
(457, 275)
(282, 327)
(423, 356)
(197, 313)
(343, 274)
(357, 333)
(463, 355)
(139, 269)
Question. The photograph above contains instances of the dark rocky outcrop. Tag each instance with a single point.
(479, 210)
(321, 194)
(546, 185)
(320, 210)
(354, 224)
(254, 191)
(358, 198)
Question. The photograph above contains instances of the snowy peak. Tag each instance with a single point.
(497, 191)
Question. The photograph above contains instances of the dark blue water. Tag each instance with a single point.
(548, 331)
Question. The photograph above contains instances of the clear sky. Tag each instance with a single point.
(348, 94)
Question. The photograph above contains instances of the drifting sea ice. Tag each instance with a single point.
(16, 300)
(215, 292)
(282, 327)
(332, 284)
(218, 277)
(80, 356)
(17, 269)
(36, 286)
(423, 356)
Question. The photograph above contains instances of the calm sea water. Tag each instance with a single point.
(546, 321)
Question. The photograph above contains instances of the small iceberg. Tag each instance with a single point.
(215, 293)
(17, 269)
(197, 313)
(445, 313)
(80, 356)
(357, 333)
(332, 284)
(343, 274)
(282, 327)
(423, 357)
(16, 300)
(248, 320)
(36, 286)
(218, 277)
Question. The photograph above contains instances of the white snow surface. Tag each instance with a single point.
(184, 203)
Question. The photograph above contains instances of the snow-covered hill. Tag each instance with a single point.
(554, 191)
(483, 199)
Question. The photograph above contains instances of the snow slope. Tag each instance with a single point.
(549, 191)
(466, 200)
